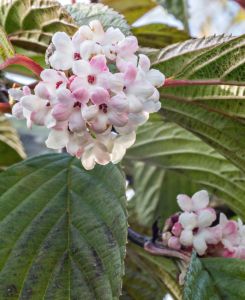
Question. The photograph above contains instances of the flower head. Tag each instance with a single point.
(94, 109)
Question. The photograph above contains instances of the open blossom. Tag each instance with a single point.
(93, 108)
(193, 229)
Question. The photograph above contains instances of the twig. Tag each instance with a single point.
(155, 248)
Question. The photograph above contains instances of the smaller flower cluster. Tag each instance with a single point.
(95, 96)
(193, 229)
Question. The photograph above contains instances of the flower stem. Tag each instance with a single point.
(22, 60)
(155, 248)
(5, 108)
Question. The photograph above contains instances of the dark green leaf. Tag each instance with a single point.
(199, 284)
(62, 230)
(84, 13)
(215, 279)
(158, 35)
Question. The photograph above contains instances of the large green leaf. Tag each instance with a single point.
(62, 230)
(215, 279)
(216, 57)
(158, 35)
(155, 192)
(132, 10)
(169, 146)
(11, 150)
(84, 13)
(31, 25)
(214, 113)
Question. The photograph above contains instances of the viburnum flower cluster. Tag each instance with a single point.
(94, 96)
(193, 229)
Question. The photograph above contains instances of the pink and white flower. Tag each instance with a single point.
(92, 110)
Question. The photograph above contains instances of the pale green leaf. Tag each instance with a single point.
(132, 10)
(11, 150)
(31, 25)
(84, 13)
(6, 49)
(158, 35)
(171, 147)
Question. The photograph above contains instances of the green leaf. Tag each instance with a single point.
(215, 114)
(155, 192)
(6, 49)
(132, 10)
(31, 25)
(216, 57)
(171, 147)
(11, 150)
(228, 275)
(62, 230)
(179, 8)
(137, 284)
(158, 35)
(162, 270)
(84, 13)
(215, 278)
(198, 282)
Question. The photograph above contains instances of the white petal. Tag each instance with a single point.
(57, 139)
(144, 62)
(155, 77)
(135, 105)
(184, 202)
(206, 217)
(16, 94)
(200, 200)
(76, 122)
(61, 61)
(81, 67)
(88, 49)
(17, 111)
(90, 112)
(186, 238)
(62, 41)
(199, 244)
(188, 220)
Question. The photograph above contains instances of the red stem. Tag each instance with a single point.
(5, 108)
(22, 60)
(241, 3)
(185, 82)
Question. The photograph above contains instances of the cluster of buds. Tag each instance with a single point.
(193, 229)
(94, 96)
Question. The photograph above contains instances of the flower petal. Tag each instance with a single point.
(185, 202)
(186, 238)
(57, 139)
(188, 220)
(200, 200)
(100, 96)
